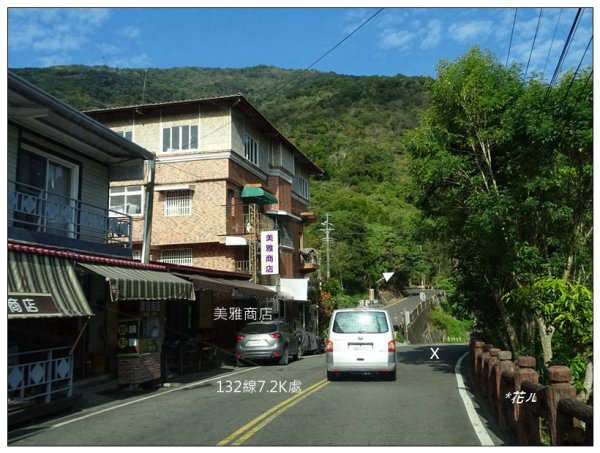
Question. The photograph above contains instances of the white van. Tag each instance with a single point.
(360, 340)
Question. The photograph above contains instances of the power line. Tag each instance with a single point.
(552, 42)
(511, 37)
(564, 51)
(328, 52)
(534, 39)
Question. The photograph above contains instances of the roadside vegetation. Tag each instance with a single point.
(478, 181)
(503, 172)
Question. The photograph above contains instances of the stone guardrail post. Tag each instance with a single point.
(560, 387)
(525, 371)
(490, 379)
(504, 365)
(482, 371)
(476, 351)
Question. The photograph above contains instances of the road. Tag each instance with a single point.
(409, 303)
(291, 405)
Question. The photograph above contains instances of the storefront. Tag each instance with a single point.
(140, 297)
(224, 307)
(47, 315)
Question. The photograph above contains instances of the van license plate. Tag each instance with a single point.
(361, 347)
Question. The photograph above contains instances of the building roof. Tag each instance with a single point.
(35, 109)
(237, 100)
(130, 263)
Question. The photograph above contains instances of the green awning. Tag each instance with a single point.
(43, 286)
(258, 195)
(141, 284)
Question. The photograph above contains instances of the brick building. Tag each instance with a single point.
(223, 174)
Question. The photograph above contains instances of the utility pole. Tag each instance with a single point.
(148, 209)
(327, 230)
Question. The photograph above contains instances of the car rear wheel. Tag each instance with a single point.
(285, 358)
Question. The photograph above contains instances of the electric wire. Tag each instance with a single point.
(562, 104)
(511, 37)
(552, 43)
(277, 90)
(564, 52)
(534, 39)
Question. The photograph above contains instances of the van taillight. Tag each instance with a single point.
(240, 337)
(275, 335)
(391, 346)
(329, 346)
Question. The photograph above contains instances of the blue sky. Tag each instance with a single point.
(407, 41)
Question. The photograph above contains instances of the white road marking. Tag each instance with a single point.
(112, 408)
(480, 430)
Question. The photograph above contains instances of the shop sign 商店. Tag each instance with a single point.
(269, 252)
(31, 304)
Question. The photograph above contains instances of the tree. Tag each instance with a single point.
(503, 171)
(565, 307)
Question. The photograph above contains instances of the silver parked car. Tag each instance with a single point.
(267, 340)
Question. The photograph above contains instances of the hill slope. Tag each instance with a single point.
(350, 126)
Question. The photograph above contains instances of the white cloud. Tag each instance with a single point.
(402, 39)
(52, 32)
(130, 32)
(432, 35)
(470, 31)
(57, 43)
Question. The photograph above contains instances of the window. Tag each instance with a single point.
(180, 138)
(178, 203)
(229, 201)
(304, 187)
(136, 255)
(360, 322)
(126, 200)
(177, 256)
(47, 188)
(250, 149)
(126, 134)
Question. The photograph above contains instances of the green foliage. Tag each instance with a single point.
(399, 337)
(502, 170)
(333, 287)
(349, 126)
(451, 326)
(566, 306)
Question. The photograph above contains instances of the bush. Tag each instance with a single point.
(456, 329)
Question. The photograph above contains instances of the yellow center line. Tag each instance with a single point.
(255, 425)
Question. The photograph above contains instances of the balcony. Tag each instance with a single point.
(243, 226)
(309, 260)
(242, 267)
(38, 216)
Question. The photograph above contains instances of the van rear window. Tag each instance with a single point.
(360, 322)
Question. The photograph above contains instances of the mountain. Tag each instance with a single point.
(351, 126)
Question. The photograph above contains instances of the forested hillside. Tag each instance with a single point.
(350, 126)
(483, 186)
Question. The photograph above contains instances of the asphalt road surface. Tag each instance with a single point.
(272, 405)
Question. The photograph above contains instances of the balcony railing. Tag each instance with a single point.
(242, 266)
(40, 374)
(38, 210)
